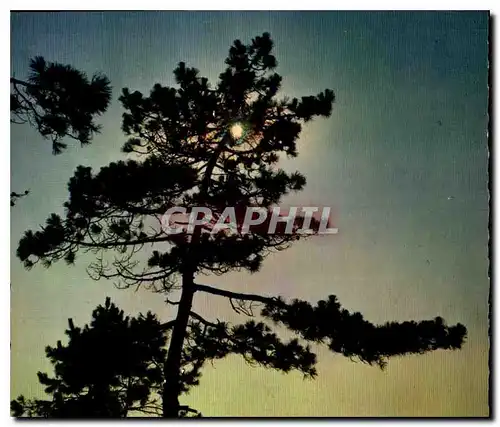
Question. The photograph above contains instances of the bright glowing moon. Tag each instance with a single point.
(237, 131)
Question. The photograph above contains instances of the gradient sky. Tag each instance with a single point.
(408, 132)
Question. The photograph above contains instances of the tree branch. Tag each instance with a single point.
(202, 320)
(237, 295)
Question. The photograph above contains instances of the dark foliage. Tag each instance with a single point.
(59, 101)
(188, 156)
(351, 335)
(114, 365)
(15, 196)
(107, 369)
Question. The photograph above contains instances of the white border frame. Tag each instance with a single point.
(193, 5)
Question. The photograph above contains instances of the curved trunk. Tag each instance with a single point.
(172, 366)
(171, 390)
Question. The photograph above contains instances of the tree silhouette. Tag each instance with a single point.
(115, 365)
(107, 369)
(59, 101)
(214, 147)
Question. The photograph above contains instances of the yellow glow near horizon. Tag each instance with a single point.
(237, 131)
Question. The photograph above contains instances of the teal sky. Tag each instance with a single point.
(402, 161)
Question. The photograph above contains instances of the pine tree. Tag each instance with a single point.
(198, 145)
(108, 368)
(60, 102)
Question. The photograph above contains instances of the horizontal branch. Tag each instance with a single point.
(202, 320)
(237, 295)
(118, 244)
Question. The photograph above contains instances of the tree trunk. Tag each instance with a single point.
(171, 388)
(172, 366)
